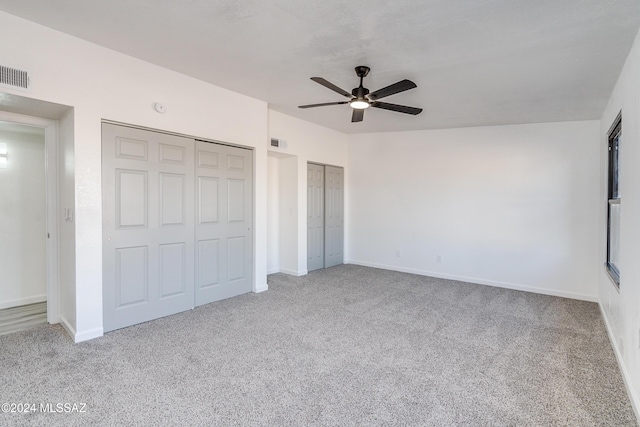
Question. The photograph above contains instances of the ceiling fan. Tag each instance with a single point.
(360, 98)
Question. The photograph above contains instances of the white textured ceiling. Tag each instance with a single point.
(476, 62)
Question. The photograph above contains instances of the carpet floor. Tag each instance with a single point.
(343, 346)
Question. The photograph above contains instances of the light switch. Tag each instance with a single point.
(3, 155)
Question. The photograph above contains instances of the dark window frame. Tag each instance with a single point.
(613, 193)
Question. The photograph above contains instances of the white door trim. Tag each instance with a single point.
(51, 173)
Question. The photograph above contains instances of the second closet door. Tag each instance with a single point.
(315, 217)
(334, 216)
(325, 216)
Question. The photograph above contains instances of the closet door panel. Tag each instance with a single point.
(148, 225)
(224, 235)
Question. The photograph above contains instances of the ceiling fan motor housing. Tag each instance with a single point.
(360, 92)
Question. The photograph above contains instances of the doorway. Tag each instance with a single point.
(28, 248)
(325, 216)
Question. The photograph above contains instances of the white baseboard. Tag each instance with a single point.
(67, 327)
(274, 271)
(505, 285)
(88, 335)
(23, 301)
(294, 272)
(261, 288)
(635, 401)
(82, 336)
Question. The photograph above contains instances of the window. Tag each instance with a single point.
(613, 202)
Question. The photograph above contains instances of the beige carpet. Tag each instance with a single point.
(346, 346)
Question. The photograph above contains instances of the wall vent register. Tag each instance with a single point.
(278, 143)
(14, 78)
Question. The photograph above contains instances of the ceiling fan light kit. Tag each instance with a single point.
(359, 104)
(360, 98)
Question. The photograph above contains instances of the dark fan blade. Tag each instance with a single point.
(396, 107)
(401, 86)
(331, 86)
(323, 105)
(357, 115)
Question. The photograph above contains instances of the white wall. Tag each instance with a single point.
(510, 206)
(102, 84)
(66, 227)
(273, 214)
(306, 142)
(621, 308)
(288, 217)
(23, 217)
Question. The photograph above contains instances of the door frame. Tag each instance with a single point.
(50, 128)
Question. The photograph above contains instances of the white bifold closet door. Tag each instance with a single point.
(325, 216)
(315, 217)
(334, 216)
(224, 216)
(156, 253)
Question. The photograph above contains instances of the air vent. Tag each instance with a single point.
(14, 78)
(279, 143)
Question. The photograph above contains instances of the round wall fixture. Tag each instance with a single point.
(160, 107)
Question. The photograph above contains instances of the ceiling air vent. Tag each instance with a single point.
(14, 78)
